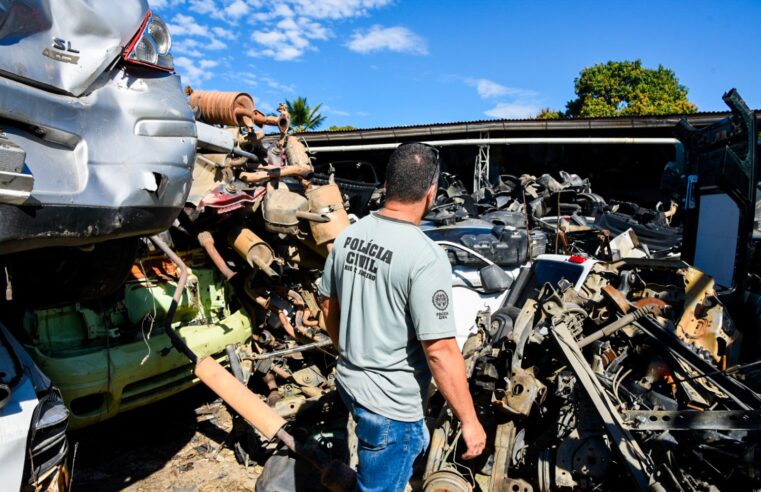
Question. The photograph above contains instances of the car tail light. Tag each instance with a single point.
(151, 45)
(577, 259)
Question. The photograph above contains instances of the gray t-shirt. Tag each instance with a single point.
(394, 288)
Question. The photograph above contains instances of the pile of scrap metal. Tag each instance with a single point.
(571, 216)
(268, 228)
(631, 380)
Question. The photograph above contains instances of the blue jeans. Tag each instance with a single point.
(387, 448)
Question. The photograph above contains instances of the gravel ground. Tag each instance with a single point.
(176, 445)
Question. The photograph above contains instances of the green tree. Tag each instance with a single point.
(549, 114)
(304, 117)
(627, 88)
(335, 128)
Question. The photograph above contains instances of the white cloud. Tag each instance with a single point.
(215, 44)
(489, 89)
(513, 110)
(224, 33)
(185, 25)
(337, 9)
(194, 73)
(203, 6)
(278, 86)
(379, 38)
(290, 40)
(283, 30)
(238, 8)
(188, 47)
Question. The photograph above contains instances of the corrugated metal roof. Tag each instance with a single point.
(433, 129)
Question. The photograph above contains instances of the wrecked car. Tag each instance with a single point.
(88, 154)
(33, 422)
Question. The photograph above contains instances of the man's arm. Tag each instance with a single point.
(332, 312)
(448, 369)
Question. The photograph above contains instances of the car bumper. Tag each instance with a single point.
(99, 385)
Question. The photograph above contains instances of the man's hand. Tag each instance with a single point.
(475, 439)
(448, 369)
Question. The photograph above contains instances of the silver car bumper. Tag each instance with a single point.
(116, 162)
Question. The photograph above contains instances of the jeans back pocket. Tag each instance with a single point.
(372, 429)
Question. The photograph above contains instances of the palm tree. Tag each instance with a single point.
(304, 118)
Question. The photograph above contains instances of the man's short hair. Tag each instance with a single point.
(412, 169)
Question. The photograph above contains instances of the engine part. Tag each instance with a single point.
(280, 207)
(232, 108)
(447, 480)
(327, 200)
(254, 250)
(522, 393)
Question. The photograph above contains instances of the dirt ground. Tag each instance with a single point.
(174, 445)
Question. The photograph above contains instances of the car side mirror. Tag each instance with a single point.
(494, 279)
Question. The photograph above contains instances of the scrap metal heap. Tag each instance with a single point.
(564, 215)
(268, 228)
(630, 382)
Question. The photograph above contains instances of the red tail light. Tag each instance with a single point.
(151, 45)
(577, 259)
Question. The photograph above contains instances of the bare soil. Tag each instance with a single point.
(176, 445)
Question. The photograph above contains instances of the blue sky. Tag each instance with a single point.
(392, 62)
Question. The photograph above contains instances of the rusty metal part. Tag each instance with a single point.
(522, 392)
(234, 109)
(658, 303)
(279, 371)
(235, 394)
(296, 298)
(327, 200)
(296, 153)
(312, 392)
(274, 395)
(224, 108)
(321, 250)
(207, 243)
(176, 340)
(313, 217)
(254, 250)
(447, 480)
(265, 173)
(309, 322)
(306, 331)
(294, 350)
(620, 323)
(701, 324)
(280, 207)
(605, 249)
(638, 464)
(644, 420)
(309, 376)
(287, 326)
(617, 297)
(334, 475)
(504, 442)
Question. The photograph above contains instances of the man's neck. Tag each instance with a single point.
(408, 212)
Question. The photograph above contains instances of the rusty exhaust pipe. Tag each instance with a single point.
(334, 474)
(233, 109)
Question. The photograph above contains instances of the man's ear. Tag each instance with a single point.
(430, 197)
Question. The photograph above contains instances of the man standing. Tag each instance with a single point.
(387, 292)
